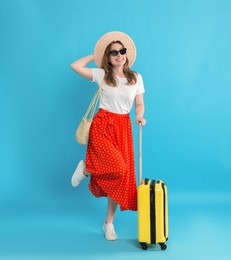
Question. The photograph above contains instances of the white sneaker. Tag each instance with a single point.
(109, 232)
(78, 175)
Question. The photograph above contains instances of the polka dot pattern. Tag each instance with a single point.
(110, 159)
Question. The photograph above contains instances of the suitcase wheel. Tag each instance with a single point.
(163, 246)
(144, 246)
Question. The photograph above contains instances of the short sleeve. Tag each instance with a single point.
(97, 75)
(140, 88)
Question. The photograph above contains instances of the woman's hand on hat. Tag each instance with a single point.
(141, 121)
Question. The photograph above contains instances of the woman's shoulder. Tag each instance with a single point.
(138, 76)
(98, 75)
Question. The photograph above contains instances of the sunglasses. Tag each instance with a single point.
(115, 52)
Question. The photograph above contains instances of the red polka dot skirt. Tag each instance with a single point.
(110, 159)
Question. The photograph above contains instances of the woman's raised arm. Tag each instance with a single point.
(79, 66)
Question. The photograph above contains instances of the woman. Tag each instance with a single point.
(110, 152)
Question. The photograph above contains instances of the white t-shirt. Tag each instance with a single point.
(117, 99)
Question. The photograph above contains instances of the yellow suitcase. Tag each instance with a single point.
(152, 208)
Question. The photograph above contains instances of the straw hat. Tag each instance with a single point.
(109, 37)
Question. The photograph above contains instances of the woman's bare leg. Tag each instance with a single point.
(108, 227)
(111, 209)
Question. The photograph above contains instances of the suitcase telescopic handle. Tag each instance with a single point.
(140, 154)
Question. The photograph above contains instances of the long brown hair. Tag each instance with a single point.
(108, 68)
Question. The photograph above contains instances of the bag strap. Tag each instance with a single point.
(93, 104)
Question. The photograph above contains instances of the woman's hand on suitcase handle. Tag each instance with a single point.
(140, 110)
(140, 121)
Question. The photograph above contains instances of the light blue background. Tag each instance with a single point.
(183, 54)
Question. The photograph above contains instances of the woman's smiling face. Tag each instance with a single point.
(120, 59)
